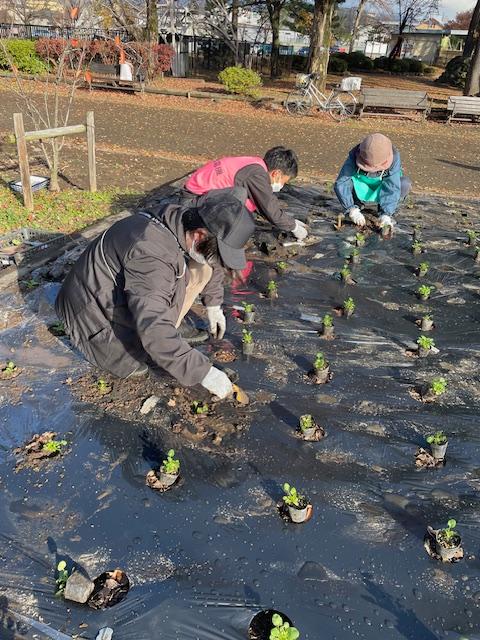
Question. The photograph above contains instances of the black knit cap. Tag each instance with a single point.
(225, 215)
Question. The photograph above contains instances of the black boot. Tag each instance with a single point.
(190, 333)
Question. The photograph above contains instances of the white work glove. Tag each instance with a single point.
(217, 321)
(300, 230)
(386, 221)
(357, 217)
(218, 383)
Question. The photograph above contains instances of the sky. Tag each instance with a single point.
(449, 8)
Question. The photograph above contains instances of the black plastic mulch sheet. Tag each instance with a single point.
(203, 558)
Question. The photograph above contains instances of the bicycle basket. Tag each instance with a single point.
(351, 84)
(301, 80)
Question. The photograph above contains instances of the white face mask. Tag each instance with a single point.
(276, 187)
(195, 255)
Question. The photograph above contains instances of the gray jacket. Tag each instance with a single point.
(121, 300)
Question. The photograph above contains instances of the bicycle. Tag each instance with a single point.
(300, 101)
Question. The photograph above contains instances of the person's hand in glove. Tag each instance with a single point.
(386, 221)
(218, 383)
(300, 230)
(357, 217)
(217, 322)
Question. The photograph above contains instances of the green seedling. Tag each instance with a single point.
(360, 239)
(417, 246)
(349, 305)
(282, 266)
(199, 408)
(16, 242)
(354, 252)
(448, 535)
(428, 318)
(320, 362)
(327, 320)
(272, 287)
(61, 581)
(57, 328)
(282, 630)
(248, 307)
(423, 268)
(247, 336)
(472, 236)
(103, 387)
(54, 446)
(31, 284)
(171, 465)
(10, 367)
(438, 386)
(306, 422)
(426, 343)
(345, 272)
(438, 438)
(424, 291)
(292, 498)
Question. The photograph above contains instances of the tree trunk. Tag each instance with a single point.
(356, 24)
(151, 29)
(320, 40)
(473, 32)
(397, 49)
(274, 11)
(235, 7)
(472, 85)
(54, 166)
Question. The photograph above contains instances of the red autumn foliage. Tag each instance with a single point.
(151, 59)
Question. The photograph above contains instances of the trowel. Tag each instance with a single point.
(238, 393)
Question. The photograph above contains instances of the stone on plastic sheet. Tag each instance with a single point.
(78, 588)
(149, 404)
(105, 634)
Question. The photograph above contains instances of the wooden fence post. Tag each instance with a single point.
(23, 160)
(92, 165)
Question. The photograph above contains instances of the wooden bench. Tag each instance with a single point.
(463, 109)
(389, 102)
(107, 76)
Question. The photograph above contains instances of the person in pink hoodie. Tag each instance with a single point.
(261, 177)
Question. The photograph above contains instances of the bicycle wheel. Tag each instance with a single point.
(341, 108)
(298, 104)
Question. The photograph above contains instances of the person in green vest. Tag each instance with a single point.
(372, 173)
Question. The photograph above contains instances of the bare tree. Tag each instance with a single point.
(409, 13)
(25, 11)
(321, 38)
(472, 48)
(473, 32)
(54, 108)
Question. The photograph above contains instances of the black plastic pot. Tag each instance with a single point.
(110, 588)
(261, 624)
(320, 376)
(249, 317)
(422, 352)
(272, 295)
(328, 332)
(447, 554)
(348, 313)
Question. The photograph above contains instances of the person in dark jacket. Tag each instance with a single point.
(372, 173)
(124, 299)
(261, 177)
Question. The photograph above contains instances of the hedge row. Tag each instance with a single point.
(36, 56)
(339, 63)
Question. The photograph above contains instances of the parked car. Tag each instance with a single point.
(303, 51)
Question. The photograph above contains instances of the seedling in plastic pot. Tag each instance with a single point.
(54, 446)
(346, 274)
(348, 307)
(272, 290)
(360, 239)
(320, 374)
(355, 255)
(282, 267)
(247, 342)
(448, 541)
(328, 329)
(424, 292)
(422, 269)
(417, 247)
(62, 577)
(438, 442)
(103, 387)
(425, 346)
(199, 408)
(282, 630)
(170, 469)
(472, 237)
(435, 389)
(248, 313)
(309, 428)
(297, 504)
(426, 323)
